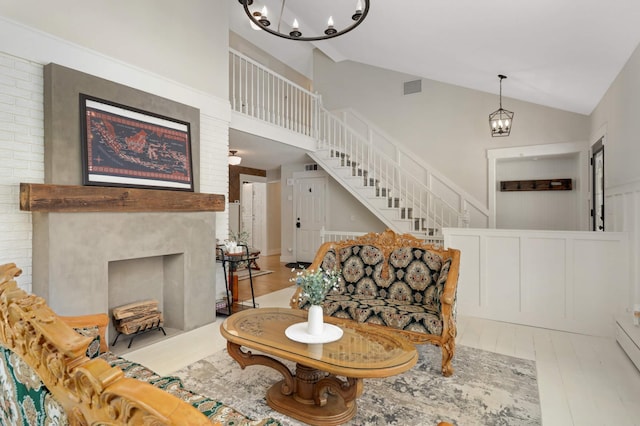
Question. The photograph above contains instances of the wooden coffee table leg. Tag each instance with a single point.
(319, 399)
(312, 395)
(287, 386)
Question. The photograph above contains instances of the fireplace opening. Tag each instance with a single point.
(159, 278)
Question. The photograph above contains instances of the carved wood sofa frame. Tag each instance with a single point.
(90, 390)
(389, 243)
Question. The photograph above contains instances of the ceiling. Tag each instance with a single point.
(558, 53)
(264, 154)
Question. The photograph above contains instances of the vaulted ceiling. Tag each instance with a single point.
(558, 53)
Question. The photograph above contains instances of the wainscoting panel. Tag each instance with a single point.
(562, 280)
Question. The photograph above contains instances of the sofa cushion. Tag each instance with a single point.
(215, 411)
(404, 292)
(25, 400)
(93, 350)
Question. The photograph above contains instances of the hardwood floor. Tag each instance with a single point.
(582, 380)
(265, 284)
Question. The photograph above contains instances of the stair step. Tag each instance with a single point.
(394, 202)
(382, 192)
(356, 171)
(406, 212)
(371, 182)
(419, 225)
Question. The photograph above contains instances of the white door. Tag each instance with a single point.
(246, 210)
(253, 197)
(310, 215)
(259, 204)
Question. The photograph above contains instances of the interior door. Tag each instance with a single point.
(259, 205)
(246, 210)
(310, 215)
(597, 185)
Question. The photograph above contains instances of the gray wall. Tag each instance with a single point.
(181, 41)
(447, 125)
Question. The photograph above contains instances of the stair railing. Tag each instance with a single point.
(414, 200)
(436, 181)
(263, 94)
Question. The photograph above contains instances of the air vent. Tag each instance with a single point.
(411, 87)
(310, 167)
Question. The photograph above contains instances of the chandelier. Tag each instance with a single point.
(292, 30)
(234, 159)
(501, 119)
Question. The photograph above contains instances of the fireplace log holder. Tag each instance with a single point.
(141, 330)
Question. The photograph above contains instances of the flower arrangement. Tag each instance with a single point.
(315, 284)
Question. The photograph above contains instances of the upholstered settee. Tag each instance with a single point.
(395, 281)
(48, 378)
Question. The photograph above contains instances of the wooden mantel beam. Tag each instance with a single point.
(36, 197)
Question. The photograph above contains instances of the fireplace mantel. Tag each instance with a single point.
(75, 199)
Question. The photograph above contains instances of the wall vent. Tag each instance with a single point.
(411, 87)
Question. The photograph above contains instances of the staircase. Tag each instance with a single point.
(395, 195)
(399, 200)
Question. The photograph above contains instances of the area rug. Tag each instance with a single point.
(298, 265)
(243, 274)
(485, 389)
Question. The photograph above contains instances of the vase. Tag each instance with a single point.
(315, 321)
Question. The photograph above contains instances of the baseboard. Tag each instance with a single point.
(628, 337)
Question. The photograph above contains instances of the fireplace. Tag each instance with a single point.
(90, 262)
(161, 244)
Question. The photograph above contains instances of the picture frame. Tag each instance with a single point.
(125, 146)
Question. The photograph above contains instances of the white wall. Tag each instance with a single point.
(447, 125)
(571, 281)
(616, 118)
(551, 210)
(143, 57)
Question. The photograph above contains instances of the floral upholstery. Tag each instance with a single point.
(215, 411)
(25, 401)
(394, 281)
(406, 297)
(93, 350)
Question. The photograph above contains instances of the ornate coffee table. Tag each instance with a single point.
(313, 393)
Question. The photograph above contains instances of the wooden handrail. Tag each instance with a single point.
(36, 197)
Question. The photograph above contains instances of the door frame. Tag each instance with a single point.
(596, 148)
(302, 175)
(256, 179)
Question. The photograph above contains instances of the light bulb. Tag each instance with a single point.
(295, 24)
(359, 6)
(500, 124)
(506, 124)
(330, 21)
(264, 11)
(494, 124)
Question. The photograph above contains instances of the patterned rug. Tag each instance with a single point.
(485, 389)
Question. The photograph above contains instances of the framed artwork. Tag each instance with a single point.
(124, 146)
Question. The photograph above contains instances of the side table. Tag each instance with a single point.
(230, 262)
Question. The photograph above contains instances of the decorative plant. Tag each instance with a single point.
(315, 284)
(240, 237)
